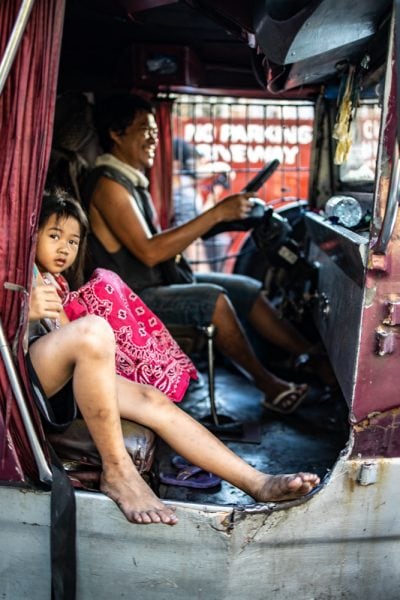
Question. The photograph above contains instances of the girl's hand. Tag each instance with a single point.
(44, 303)
(234, 207)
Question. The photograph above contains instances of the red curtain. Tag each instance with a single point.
(26, 122)
(161, 173)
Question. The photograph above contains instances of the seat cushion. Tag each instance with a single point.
(76, 449)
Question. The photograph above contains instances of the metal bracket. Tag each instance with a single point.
(386, 341)
(368, 474)
(393, 313)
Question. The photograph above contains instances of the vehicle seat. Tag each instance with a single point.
(75, 144)
(81, 459)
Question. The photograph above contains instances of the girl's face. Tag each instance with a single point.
(58, 244)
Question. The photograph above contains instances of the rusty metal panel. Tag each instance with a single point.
(378, 435)
(326, 549)
(343, 542)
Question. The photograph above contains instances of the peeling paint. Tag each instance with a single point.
(227, 526)
(370, 293)
(378, 434)
(373, 417)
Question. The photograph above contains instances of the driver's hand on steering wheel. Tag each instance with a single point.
(237, 206)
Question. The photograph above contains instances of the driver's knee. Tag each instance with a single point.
(223, 309)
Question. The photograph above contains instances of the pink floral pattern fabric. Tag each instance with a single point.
(146, 352)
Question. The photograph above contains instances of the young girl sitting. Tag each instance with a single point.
(145, 350)
(84, 351)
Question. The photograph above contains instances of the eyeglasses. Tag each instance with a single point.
(150, 132)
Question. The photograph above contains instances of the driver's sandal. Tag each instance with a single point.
(286, 402)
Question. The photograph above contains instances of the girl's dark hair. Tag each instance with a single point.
(116, 113)
(62, 205)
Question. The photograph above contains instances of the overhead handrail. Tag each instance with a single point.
(14, 41)
(45, 474)
(392, 207)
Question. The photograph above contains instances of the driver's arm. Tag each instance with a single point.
(116, 221)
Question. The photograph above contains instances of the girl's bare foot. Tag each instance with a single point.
(276, 488)
(136, 500)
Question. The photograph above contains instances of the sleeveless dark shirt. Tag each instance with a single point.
(136, 274)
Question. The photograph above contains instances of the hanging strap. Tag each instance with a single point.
(62, 504)
(63, 533)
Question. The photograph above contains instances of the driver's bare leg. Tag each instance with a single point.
(267, 322)
(232, 341)
(85, 349)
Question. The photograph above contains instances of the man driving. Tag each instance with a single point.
(127, 239)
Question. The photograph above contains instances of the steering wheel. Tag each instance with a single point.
(259, 209)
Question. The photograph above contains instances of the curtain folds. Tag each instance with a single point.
(26, 122)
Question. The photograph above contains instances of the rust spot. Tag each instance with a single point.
(379, 262)
(352, 484)
(373, 418)
(378, 435)
(353, 474)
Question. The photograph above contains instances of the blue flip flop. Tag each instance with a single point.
(189, 476)
(180, 463)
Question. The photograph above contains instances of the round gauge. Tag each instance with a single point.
(345, 209)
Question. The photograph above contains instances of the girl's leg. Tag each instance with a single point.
(148, 406)
(84, 349)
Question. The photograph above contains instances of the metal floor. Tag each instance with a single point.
(308, 440)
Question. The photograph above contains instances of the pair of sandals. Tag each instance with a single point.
(287, 401)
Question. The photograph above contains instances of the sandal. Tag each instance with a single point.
(189, 475)
(286, 402)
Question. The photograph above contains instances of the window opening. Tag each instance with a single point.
(219, 144)
(360, 165)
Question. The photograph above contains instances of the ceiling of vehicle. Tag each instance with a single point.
(261, 46)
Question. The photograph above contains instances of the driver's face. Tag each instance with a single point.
(137, 145)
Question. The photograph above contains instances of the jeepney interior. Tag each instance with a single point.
(197, 58)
